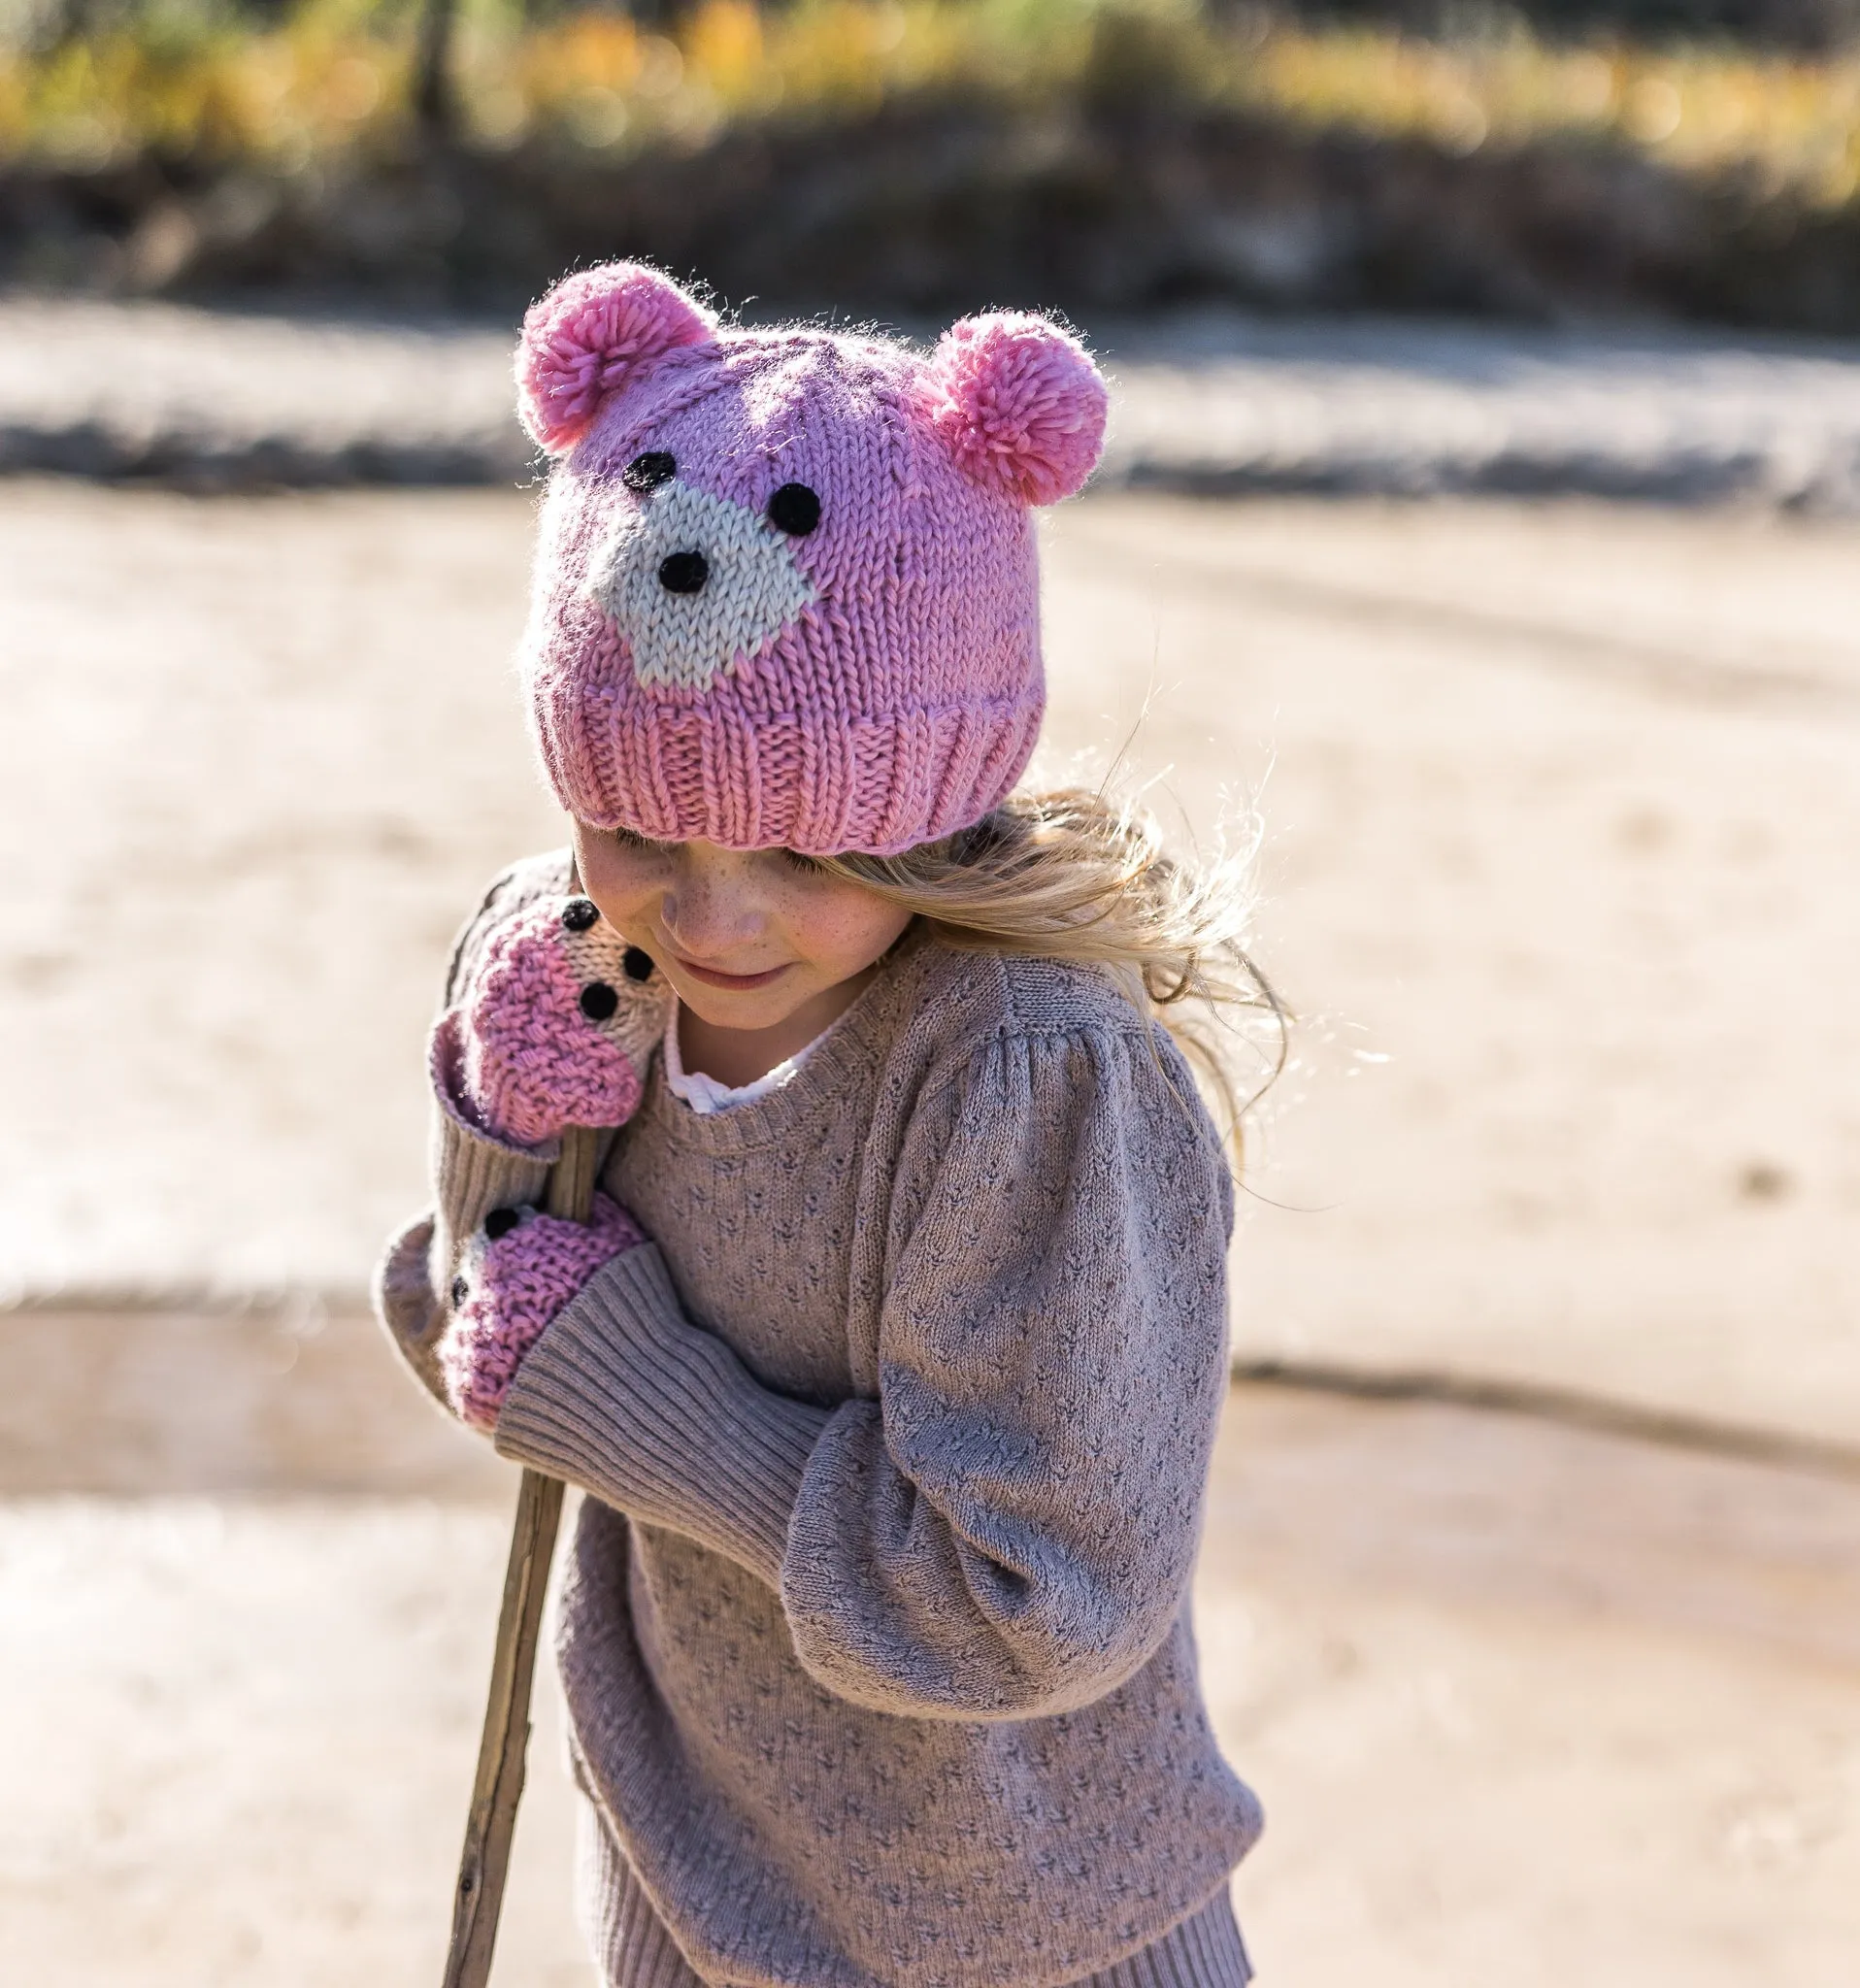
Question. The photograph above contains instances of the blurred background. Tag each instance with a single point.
(1478, 526)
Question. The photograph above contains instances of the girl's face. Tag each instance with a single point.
(749, 940)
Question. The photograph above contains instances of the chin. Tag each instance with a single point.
(758, 1007)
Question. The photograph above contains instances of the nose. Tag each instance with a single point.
(710, 907)
(683, 572)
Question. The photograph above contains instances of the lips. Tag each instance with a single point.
(712, 978)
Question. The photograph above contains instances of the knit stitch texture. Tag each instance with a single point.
(874, 1633)
(509, 1286)
(634, 1949)
(553, 1030)
(785, 590)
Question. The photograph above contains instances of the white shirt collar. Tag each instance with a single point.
(704, 1094)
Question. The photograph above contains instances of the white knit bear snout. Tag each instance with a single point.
(694, 583)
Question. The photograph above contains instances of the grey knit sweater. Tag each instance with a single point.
(874, 1636)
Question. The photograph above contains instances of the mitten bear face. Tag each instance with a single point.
(515, 1275)
(555, 1025)
(786, 592)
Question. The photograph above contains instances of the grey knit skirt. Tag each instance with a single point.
(633, 1951)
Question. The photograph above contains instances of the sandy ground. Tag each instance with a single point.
(1560, 803)
(1525, 1705)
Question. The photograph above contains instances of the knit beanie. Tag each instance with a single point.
(787, 591)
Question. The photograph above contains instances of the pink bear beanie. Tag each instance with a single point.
(787, 591)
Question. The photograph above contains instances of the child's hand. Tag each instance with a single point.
(519, 1271)
(557, 1023)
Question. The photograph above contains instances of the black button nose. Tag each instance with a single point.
(599, 1000)
(683, 572)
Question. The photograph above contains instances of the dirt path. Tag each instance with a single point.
(1561, 814)
(1525, 1705)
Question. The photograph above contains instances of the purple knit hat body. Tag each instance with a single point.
(787, 591)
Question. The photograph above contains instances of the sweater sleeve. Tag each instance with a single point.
(1009, 1530)
(472, 1171)
(626, 1397)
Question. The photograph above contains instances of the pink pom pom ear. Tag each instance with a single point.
(1018, 403)
(596, 334)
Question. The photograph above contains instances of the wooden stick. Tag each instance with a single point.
(499, 1784)
(570, 1195)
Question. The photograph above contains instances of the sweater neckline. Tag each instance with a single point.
(702, 1094)
(848, 1048)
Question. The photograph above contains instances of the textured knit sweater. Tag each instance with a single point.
(875, 1635)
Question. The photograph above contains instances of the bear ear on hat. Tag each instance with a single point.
(1018, 403)
(596, 334)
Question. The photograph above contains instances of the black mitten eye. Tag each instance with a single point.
(683, 572)
(648, 471)
(599, 1000)
(794, 509)
(578, 914)
(461, 1290)
(637, 964)
(500, 1222)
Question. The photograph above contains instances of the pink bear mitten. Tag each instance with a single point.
(517, 1273)
(554, 1027)
(557, 1023)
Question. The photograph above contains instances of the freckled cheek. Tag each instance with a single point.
(846, 938)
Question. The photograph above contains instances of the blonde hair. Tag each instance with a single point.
(1072, 874)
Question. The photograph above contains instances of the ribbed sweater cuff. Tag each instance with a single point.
(624, 1395)
(476, 1176)
(477, 1171)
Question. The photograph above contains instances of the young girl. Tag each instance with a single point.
(891, 1359)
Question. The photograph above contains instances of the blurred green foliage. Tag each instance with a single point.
(216, 80)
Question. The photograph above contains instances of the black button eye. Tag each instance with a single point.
(637, 964)
(648, 471)
(578, 914)
(683, 572)
(599, 1000)
(794, 509)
